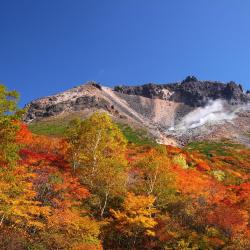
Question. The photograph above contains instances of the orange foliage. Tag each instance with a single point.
(192, 182)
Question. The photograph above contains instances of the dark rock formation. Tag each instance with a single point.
(190, 79)
(76, 99)
(191, 91)
(41, 110)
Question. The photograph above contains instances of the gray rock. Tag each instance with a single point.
(191, 91)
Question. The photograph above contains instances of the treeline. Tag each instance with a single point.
(92, 189)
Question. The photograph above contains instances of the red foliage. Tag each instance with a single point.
(203, 166)
(229, 218)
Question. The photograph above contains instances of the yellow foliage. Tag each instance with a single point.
(137, 215)
(17, 199)
(67, 227)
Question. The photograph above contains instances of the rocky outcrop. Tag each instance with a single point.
(77, 99)
(191, 91)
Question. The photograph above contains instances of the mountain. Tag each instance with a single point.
(174, 113)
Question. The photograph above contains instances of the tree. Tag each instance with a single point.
(136, 220)
(69, 229)
(18, 207)
(9, 114)
(97, 152)
(69, 226)
(156, 176)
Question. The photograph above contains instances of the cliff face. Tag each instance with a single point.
(190, 91)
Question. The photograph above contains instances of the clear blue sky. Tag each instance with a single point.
(48, 46)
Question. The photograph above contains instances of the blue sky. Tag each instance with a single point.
(52, 45)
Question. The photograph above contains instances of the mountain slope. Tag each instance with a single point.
(174, 113)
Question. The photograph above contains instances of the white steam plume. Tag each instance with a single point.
(217, 111)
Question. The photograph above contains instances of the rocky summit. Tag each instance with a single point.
(190, 91)
(173, 113)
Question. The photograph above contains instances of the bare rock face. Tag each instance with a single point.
(191, 91)
(76, 99)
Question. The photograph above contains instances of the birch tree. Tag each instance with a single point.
(97, 153)
(156, 177)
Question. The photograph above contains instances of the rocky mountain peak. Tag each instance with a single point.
(190, 91)
(190, 79)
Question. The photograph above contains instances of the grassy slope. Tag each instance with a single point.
(48, 128)
(58, 128)
(222, 148)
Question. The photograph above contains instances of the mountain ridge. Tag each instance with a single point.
(190, 91)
